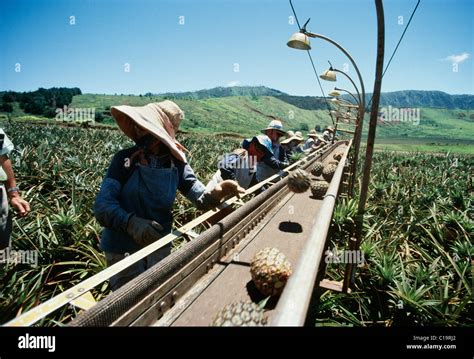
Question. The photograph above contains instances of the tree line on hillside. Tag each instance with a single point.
(43, 102)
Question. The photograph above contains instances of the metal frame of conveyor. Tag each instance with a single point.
(293, 305)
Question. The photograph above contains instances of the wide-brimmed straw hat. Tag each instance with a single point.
(275, 125)
(291, 136)
(330, 128)
(312, 133)
(160, 119)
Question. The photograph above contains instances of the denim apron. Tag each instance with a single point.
(149, 193)
(264, 171)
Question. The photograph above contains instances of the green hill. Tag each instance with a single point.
(242, 115)
(224, 92)
(208, 111)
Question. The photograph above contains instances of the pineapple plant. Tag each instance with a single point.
(240, 314)
(270, 270)
(295, 157)
(328, 172)
(319, 189)
(299, 181)
(317, 169)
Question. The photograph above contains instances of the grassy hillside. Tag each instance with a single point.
(438, 125)
(247, 115)
(237, 114)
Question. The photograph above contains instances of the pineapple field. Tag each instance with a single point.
(417, 246)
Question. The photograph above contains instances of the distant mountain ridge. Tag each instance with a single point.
(224, 92)
(433, 99)
(406, 98)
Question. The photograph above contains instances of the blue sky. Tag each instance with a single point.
(219, 37)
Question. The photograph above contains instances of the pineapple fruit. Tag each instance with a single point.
(328, 172)
(317, 169)
(240, 314)
(319, 189)
(299, 181)
(270, 270)
(337, 156)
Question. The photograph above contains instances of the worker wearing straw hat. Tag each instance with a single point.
(292, 141)
(8, 191)
(313, 142)
(136, 197)
(274, 131)
(328, 133)
(239, 165)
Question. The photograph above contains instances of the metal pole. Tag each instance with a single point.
(353, 84)
(357, 101)
(371, 137)
(358, 134)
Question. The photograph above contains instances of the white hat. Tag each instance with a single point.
(161, 119)
(275, 125)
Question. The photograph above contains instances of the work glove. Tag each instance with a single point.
(144, 231)
(225, 189)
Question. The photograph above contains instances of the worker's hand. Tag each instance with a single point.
(20, 205)
(144, 231)
(225, 189)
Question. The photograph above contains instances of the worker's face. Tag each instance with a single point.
(145, 139)
(274, 135)
(256, 151)
(139, 132)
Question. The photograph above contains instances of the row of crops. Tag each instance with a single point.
(59, 171)
(418, 230)
(418, 250)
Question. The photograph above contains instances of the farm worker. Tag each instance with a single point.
(313, 142)
(273, 132)
(292, 141)
(136, 197)
(7, 179)
(239, 165)
(261, 149)
(328, 133)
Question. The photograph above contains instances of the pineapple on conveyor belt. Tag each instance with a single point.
(319, 189)
(317, 169)
(270, 270)
(240, 314)
(333, 162)
(299, 181)
(337, 156)
(328, 172)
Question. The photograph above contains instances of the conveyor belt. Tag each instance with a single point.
(287, 228)
(191, 285)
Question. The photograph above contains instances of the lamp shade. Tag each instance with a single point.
(328, 75)
(299, 41)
